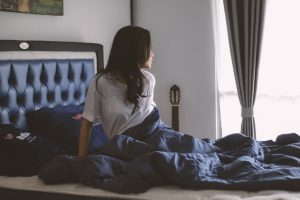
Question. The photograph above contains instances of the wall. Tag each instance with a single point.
(182, 37)
(83, 21)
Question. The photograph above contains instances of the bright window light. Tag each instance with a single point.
(277, 105)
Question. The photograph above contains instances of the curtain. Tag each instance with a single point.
(244, 19)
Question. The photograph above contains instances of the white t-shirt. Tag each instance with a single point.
(111, 109)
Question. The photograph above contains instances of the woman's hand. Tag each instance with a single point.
(84, 137)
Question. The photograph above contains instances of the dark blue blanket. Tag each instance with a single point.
(152, 154)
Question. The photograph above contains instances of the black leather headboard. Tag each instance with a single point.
(31, 83)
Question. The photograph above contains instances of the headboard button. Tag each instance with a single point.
(64, 95)
(3, 101)
(50, 97)
(20, 100)
(13, 117)
(77, 95)
(24, 45)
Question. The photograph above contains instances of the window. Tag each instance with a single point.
(277, 105)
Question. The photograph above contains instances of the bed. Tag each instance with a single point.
(57, 74)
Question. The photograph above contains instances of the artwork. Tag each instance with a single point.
(43, 7)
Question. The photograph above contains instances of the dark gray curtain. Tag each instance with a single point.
(244, 20)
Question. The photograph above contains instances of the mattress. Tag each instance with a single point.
(33, 185)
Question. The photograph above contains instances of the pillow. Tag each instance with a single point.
(61, 125)
(23, 153)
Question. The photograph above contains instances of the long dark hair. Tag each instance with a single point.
(130, 50)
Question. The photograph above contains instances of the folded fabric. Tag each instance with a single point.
(153, 154)
(61, 125)
(23, 153)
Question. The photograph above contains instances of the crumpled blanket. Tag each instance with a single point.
(152, 154)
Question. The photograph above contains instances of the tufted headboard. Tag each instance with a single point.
(38, 74)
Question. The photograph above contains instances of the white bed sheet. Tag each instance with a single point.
(163, 193)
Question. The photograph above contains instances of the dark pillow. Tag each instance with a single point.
(61, 125)
(23, 153)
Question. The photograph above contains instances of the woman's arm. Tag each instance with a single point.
(84, 137)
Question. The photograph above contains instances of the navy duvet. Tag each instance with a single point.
(152, 154)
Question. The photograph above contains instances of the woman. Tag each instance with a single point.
(122, 95)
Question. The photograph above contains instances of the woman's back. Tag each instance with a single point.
(114, 111)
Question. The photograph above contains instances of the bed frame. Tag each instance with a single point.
(38, 74)
(11, 194)
(30, 79)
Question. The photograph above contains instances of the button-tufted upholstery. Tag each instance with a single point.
(27, 85)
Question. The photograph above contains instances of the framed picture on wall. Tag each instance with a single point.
(42, 7)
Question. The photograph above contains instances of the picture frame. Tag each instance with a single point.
(41, 7)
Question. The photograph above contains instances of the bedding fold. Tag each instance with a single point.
(152, 154)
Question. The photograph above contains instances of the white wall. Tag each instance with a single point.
(83, 21)
(182, 37)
